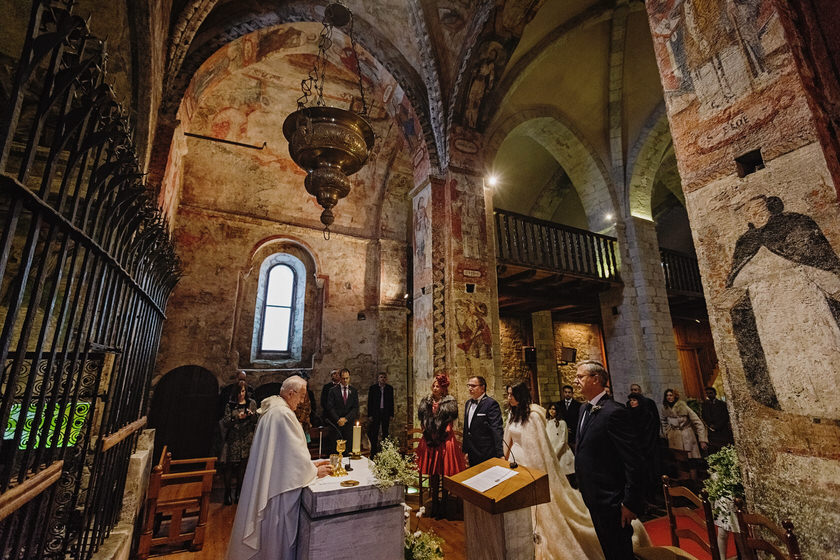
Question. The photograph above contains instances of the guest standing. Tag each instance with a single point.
(380, 411)
(646, 417)
(558, 434)
(716, 417)
(438, 453)
(343, 406)
(608, 464)
(568, 410)
(238, 425)
(683, 428)
(482, 423)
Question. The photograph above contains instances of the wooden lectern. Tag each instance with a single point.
(497, 523)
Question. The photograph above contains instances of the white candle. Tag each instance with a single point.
(357, 438)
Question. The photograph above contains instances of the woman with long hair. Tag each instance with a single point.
(682, 426)
(558, 434)
(439, 453)
(239, 423)
(562, 527)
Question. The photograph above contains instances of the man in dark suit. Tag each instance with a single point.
(716, 417)
(482, 424)
(343, 407)
(649, 432)
(608, 463)
(569, 410)
(380, 410)
(325, 390)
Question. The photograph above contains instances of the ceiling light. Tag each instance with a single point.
(492, 181)
(609, 216)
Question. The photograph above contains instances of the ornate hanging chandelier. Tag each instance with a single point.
(329, 143)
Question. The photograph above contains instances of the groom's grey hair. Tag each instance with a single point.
(596, 369)
(292, 384)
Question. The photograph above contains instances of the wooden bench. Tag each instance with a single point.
(177, 489)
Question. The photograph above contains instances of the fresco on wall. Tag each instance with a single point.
(707, 48)
(468, 220)
(787, 319)
(471, 319)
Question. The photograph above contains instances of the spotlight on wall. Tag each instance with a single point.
(492, 181)
(608, 216)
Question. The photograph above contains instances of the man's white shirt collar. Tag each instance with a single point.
(598, 397)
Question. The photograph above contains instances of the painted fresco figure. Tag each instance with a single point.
(790, 277)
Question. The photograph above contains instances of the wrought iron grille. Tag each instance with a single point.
(86, 268)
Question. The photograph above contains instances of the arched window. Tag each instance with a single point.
(278, 318)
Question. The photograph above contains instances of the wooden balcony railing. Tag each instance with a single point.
(681, 272)
(527, 241)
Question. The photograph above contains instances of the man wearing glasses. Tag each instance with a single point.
(482, 424)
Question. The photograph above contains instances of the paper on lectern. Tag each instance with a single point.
(484, 481)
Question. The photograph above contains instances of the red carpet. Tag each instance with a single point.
(660, 535)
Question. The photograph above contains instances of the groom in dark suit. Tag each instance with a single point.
(343, 408)
(482, 424)
(608, 463)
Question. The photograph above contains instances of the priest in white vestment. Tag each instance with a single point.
(279, 467)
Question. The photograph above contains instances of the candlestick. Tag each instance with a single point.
(357, 439)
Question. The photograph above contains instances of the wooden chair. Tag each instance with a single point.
(691, 530)
(177, 489)
(750, 541)
(412, 440)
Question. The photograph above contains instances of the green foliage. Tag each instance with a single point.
(422, 545)
(391, 467)
(724, 483)
(695, 405)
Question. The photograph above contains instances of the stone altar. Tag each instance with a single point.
(360, 522)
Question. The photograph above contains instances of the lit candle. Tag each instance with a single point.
(357, 438)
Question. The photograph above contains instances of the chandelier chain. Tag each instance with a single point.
(358, 65)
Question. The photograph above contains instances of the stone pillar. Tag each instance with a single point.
(543, 330)
(456, 323)
(638, 332)
(765, 220)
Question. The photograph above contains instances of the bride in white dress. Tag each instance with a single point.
(563, 527)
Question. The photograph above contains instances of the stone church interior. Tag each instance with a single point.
(653, 185)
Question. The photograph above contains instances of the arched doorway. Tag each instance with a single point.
(183, 411)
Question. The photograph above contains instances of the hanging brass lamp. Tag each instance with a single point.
(329, 143)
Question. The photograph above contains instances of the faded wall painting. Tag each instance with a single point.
(469, 223)
(474, 334)
(787, 319)
(715, 51)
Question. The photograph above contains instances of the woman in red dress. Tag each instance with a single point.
(439, 453)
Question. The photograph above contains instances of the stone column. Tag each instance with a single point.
(638, 331)
(764, 214)
(456, 323)
(543, 330)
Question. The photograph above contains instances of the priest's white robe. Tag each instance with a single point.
(266, 523)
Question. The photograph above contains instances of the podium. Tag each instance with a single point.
(497, 523)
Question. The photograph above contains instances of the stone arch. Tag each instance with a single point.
(230, 22)
(554, 132)
(643, 161)
(184, 411)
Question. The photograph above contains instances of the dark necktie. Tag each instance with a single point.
(344, 390)
(585, 416)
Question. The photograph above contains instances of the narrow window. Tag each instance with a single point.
(279, 310)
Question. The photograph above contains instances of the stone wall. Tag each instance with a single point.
(584, 338)
(764, 214)
(515, 332)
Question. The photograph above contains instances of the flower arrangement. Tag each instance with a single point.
(421, 545)
(391, 467)
(724, 484)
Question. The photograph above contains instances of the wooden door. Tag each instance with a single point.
(184, 412)
(692, 374)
